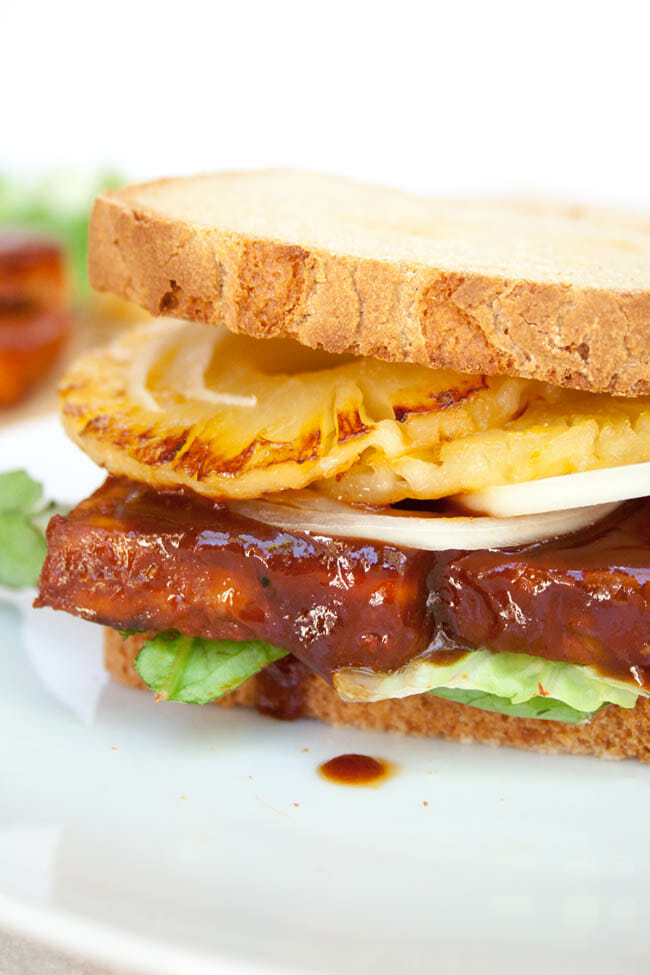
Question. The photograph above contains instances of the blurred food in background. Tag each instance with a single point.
(48, 311)
(57, 205)
(34, 319)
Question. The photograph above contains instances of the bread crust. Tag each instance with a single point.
(565, 333)
(613, 733)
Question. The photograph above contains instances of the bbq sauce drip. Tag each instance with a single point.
(353, 769)
(280, 689)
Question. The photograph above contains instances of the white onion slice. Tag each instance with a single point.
(186, 374)
(305, 511)
(556, 493)
(165, 333)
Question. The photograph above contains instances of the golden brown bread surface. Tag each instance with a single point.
(555, 293)
(613, 733)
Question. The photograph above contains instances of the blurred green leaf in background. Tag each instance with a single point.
(58, 205)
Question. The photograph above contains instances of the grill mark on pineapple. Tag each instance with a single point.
(308, 447)
(350, 425)
(73, 409)
(114, 430)
(443, 400)
(200, 460)
(146, 447)
(97, 424)
(156, 450)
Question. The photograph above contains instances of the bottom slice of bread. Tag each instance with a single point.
(613, 733)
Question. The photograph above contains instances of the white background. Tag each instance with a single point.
(446, 98)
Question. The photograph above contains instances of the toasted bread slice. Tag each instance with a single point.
(554, 293)
(613, 733)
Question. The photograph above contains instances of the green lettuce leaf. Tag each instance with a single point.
(196, 671)
(23, 517)
(505, 679)
(545, 708)
(518, 678)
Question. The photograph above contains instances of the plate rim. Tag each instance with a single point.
(108, 945)
(71, 933)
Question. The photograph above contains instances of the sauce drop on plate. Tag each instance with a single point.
(355, 769)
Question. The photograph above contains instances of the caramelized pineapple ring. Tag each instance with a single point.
(179, 404)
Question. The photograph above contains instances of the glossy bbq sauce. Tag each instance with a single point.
(353, 769)
(280, 689)
(133, 558)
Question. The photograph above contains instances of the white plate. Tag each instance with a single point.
(186, 840)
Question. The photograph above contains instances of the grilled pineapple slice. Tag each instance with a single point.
(174, 404)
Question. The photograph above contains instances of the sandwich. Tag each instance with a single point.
(378, 460)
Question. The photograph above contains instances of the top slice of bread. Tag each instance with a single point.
(555, 293)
